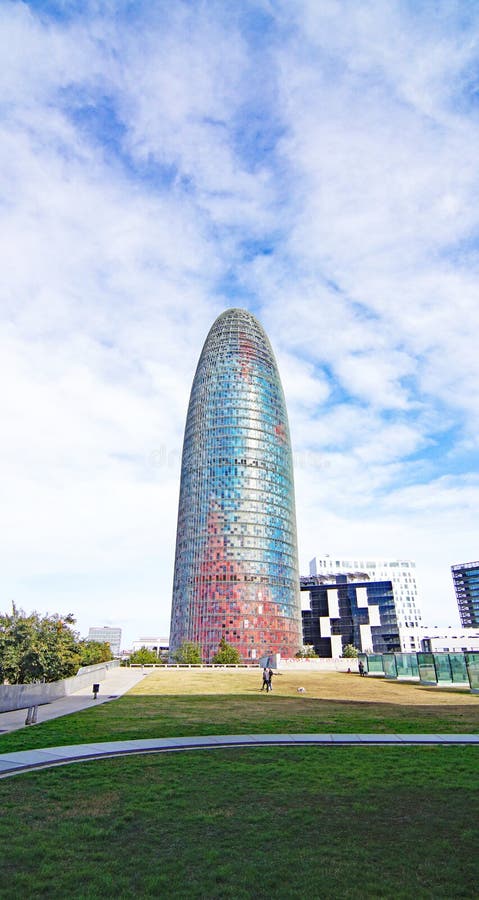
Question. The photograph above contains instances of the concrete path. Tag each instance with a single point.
(116, 683)
(26, 760)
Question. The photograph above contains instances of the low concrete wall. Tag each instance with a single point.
(338, 664)
(21, 696)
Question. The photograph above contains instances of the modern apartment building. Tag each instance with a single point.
(402, 575)
(466, 586)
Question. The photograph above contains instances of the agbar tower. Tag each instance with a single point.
(236, 567)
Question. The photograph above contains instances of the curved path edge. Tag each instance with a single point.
(16, 762)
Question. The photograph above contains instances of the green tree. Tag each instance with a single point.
(94, 652)
(226, 654)
(143, 656)
(350, 651)
(37, 648)
(307, 652)
(187, 653)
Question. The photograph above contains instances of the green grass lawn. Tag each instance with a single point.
(320, 822)
(138, 716)
(245, 823)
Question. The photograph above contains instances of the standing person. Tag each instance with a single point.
(361, 667)
(270, 679)
(266, 672)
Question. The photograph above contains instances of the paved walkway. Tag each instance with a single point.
(27, 760)
(117, 682)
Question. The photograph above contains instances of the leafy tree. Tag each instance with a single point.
(36, 648)
(307, 652)
(226, 654)
(350, 651)
(187, 653)
(94, 652)
(143, 656)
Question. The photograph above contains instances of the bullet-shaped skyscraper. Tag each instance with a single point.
(236, 566)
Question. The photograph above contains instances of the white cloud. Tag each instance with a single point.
(304, 388)
(323, 173)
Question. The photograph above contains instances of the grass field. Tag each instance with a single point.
(187, 702)
(315, 822)
(326, 822)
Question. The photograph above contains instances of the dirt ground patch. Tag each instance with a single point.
(337, 686)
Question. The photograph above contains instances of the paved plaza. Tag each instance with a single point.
(116, 682)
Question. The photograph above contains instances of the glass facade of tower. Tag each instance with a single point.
(466, 586)
(236, 568)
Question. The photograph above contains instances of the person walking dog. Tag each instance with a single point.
(266, 672)
(270, 680)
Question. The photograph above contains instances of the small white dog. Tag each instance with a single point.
(301, 690)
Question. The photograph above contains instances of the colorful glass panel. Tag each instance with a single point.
(236, 568)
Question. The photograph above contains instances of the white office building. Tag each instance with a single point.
(402, 575)
(452, 639)
(159, 645)
(103, 633)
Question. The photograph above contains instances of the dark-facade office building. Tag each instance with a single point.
(341, 612)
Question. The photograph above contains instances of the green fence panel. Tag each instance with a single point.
(389, 665)
(427, 669)
(458, 667)
(472, 664)
(375, 663)
(443, 668)
(406, 665)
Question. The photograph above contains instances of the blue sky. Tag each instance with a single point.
(315, 162)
